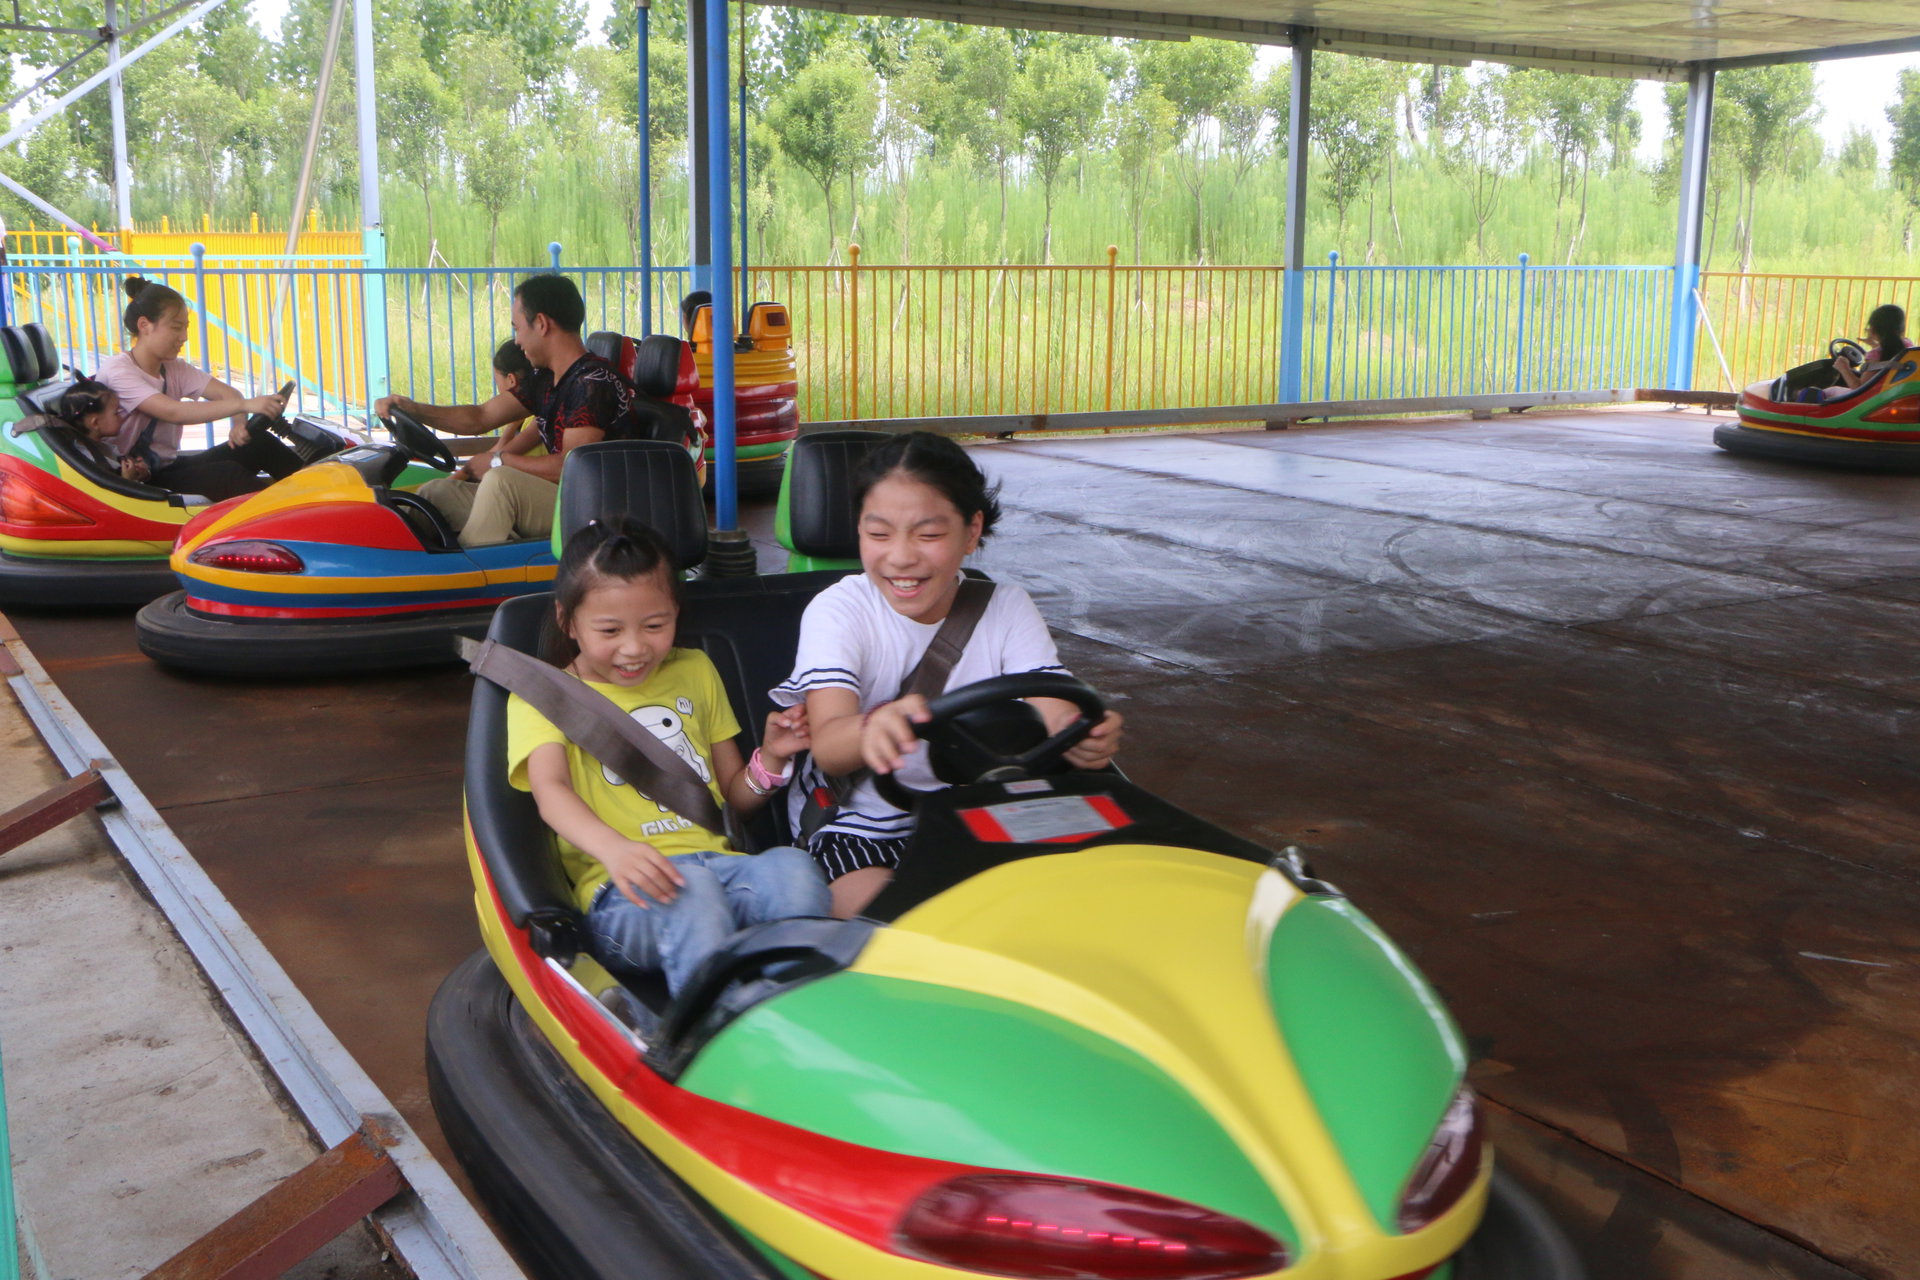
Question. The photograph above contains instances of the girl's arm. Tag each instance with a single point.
(1096, 750)
(786, 736)
(636, 867)
(189, 413)
(833, 716)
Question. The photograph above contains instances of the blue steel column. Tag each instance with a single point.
(646, 178)
(1694, 152)
(1293, 296)
(700, 206)
(373, 237)
(746, 289)
(720, 200)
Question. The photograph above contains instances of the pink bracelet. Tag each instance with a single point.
(757, 773)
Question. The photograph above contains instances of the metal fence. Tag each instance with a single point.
(906, 341)
(1761, 325)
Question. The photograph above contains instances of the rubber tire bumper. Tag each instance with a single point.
(1819, 451)
(1516, 1240)
(174, 636)
(577, 1196)
(25, 580)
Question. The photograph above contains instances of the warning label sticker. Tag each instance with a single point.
(1052, 819)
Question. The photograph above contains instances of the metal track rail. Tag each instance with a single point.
(431, 1226)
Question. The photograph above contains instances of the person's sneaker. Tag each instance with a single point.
(632, 1011)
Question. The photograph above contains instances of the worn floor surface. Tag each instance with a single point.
(1615, 732)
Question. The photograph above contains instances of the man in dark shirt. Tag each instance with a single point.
(575, 398)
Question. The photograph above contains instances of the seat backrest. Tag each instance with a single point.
(770, 326)
(27, 354)
(816, 520)
(615, 348)
(517, 846)
(47, 397)
(652, 481)
(656, 365)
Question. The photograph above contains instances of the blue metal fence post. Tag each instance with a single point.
(553, 254)
(199, 252)
(1293, 291)
(746, 285)
(719, 174)
(1520, 350)
(1333, 283)
(1694, 138)
(646, 177)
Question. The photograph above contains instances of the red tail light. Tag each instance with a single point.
(1010, 1224)
(1902, 412)
(1448, 1168)
(22, 503)
(248, 555)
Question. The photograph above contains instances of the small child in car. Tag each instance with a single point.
(92, 410)
(659, 892)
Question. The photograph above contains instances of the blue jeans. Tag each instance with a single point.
(723, 893)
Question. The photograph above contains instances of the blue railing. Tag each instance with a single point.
(1384, 332)
(880, 341)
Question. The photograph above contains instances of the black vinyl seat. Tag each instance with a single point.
(821, 520)
(28, 353)
(651, 480)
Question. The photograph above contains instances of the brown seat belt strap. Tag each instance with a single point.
(929, 676)
(594, 724)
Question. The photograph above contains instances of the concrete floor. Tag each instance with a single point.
(1615, 732)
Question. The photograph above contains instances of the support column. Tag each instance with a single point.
(746, 283)
(1293, 296)
(719, 180)
(1694, 154)
(117, 105)
(642, 38)
(373, 237)
(699, 182)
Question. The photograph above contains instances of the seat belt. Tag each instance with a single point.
(928, 679)
(593, 723)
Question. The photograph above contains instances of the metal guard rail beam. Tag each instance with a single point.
(431, 1226)
(1276, 416)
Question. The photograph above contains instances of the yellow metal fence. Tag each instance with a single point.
(1766, 324)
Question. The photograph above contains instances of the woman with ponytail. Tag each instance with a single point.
(159, 393)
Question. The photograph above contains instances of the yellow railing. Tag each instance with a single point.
(163, 239)
(1766, 324)
(902, 341)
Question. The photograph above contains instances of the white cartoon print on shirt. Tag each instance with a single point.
(670, 726)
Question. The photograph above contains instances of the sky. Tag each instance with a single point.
(1854, 92)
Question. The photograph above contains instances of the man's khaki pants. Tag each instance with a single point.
(505, 505)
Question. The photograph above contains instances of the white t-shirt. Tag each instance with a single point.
(851, 638)
(132, 384)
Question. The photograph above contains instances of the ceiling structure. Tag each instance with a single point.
(1642, 39)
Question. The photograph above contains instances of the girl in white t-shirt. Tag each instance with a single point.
(924, 507)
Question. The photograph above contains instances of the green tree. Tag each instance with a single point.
(1352, 123)
(1058, 103)
(47, 163)
(1764, 108)
(493, 154)
(1903, 160)
(1484, 134)
(1144, 125)
(1858, 153)
(415, 110)
(824, 120)
(1199, 77)
(986, 68)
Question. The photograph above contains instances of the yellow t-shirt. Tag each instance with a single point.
(683, 703)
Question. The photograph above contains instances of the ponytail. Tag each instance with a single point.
(148, 301)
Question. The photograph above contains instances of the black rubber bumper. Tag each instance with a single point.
(174, 636)
(1516, 1240)
(1819, 451)
(30, 581)
(577, 1196)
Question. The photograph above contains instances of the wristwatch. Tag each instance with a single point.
(494, 463)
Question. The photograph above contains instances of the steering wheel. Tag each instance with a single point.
(418, 440)
(946, 734)
(1855, 354)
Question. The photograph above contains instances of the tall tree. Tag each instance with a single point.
(1058, 103)
(1764, 108)
(1144, 124)
(415, 110)
(493, 161)
(1352, 122)
(1903, 159)
(1484, 134)
(824, 120)
(1199, 77)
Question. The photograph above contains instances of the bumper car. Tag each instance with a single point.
(1874, 428)
(1081, 1034)
(343, 567)
(660, 367)
(71, 531)
(766, 387)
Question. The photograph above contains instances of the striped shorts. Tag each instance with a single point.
(839, 853)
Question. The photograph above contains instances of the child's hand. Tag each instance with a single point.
(1096, 749)
(787, 735)
(638, 868)
(888, 734)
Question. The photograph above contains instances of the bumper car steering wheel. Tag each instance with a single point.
(988, 732)
(1847, 348)
(420, 443)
